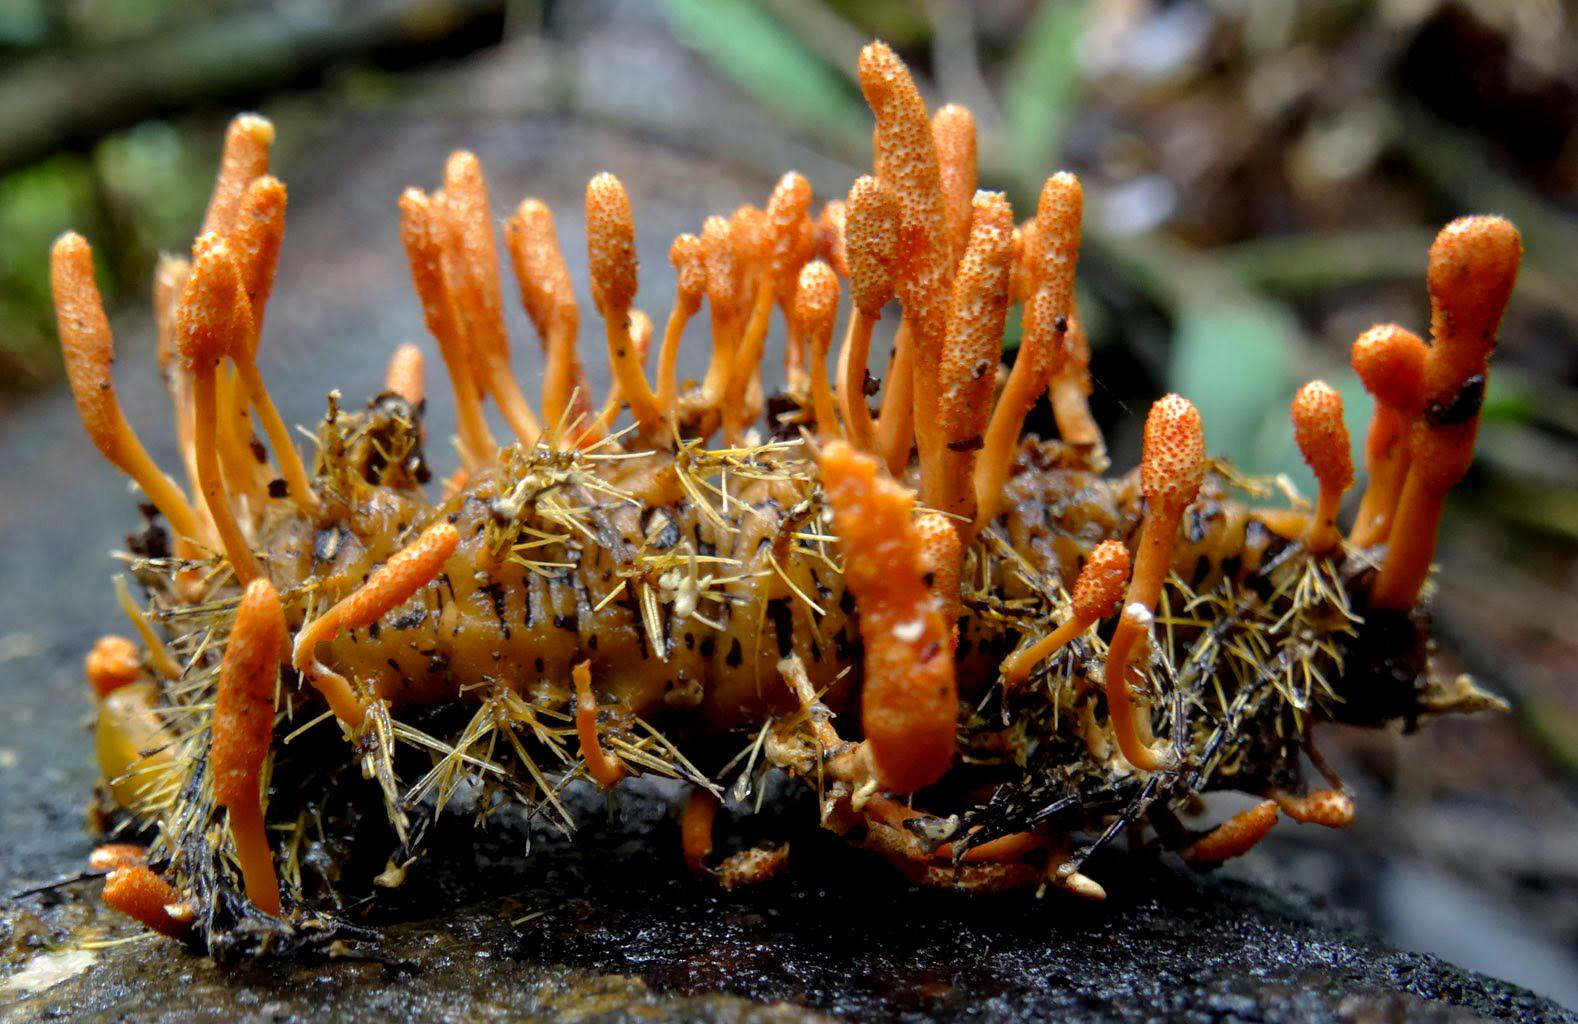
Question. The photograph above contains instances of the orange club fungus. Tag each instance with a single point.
(985, 655)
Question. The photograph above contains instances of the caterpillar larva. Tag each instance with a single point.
(1024, 656)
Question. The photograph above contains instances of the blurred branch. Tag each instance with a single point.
(1309, 264)
(1453, 162)
(62, 99)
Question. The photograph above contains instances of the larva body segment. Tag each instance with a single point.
(1017, 666)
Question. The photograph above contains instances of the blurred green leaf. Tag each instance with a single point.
(1234, 361)
(758, 53)
(23, 22)
(1040, 87)
(36, 205)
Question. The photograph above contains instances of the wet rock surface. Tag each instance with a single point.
(610, 928)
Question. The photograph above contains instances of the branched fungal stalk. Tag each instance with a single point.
(986, 657)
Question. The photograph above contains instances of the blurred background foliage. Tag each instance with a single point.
(1263, 180)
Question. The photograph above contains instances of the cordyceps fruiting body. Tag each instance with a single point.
(987, 657)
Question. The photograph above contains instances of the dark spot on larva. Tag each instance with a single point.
(708, 645)
(736, 655)
(870, 386)
(373, 630)
(255, 446)
(495, 594)
(844, 645)
(846, 602)
(540, 666)
(967, 444)
(816, 649)
(564, 621)
(278, 488)
(1060, 324)
(929, 579)
(690, 640)
(783, 624)
(409, 619)
(591, 642)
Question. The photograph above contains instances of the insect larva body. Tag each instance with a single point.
(988, 657)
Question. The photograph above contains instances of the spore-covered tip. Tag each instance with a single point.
(260, 230)
(610, 244)
(871, 239)
(244, 709)
(210, 318)
(86, 343)
(1322, 436)
(720, 262)
(688, 255)
(881, 71)
(787, 208)
(1473, 266)
(1101, 583)
(1172, 460)
(1390, 362)
(816, 300)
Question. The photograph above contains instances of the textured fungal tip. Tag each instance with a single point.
(992, 210)
(1322, 436)
(462, 168)
(70, 245)
(688, 256)
(752, 235)
(145, 897)
(789, 204)
(85, 337)
(244, 704)
(254, 128)
(953, 134)
(1100, 585)
(414, 201)
(1055, 246)
(112, 664)
(881, 71)
(717, 248)
(610, 244)
(259, 234)
(111, 856)
(953, 127)
(210, 318)
(871, 238)
(1473, 266)
(816, 300)
(1172, 459)
(266, 193)
(1390, 362)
